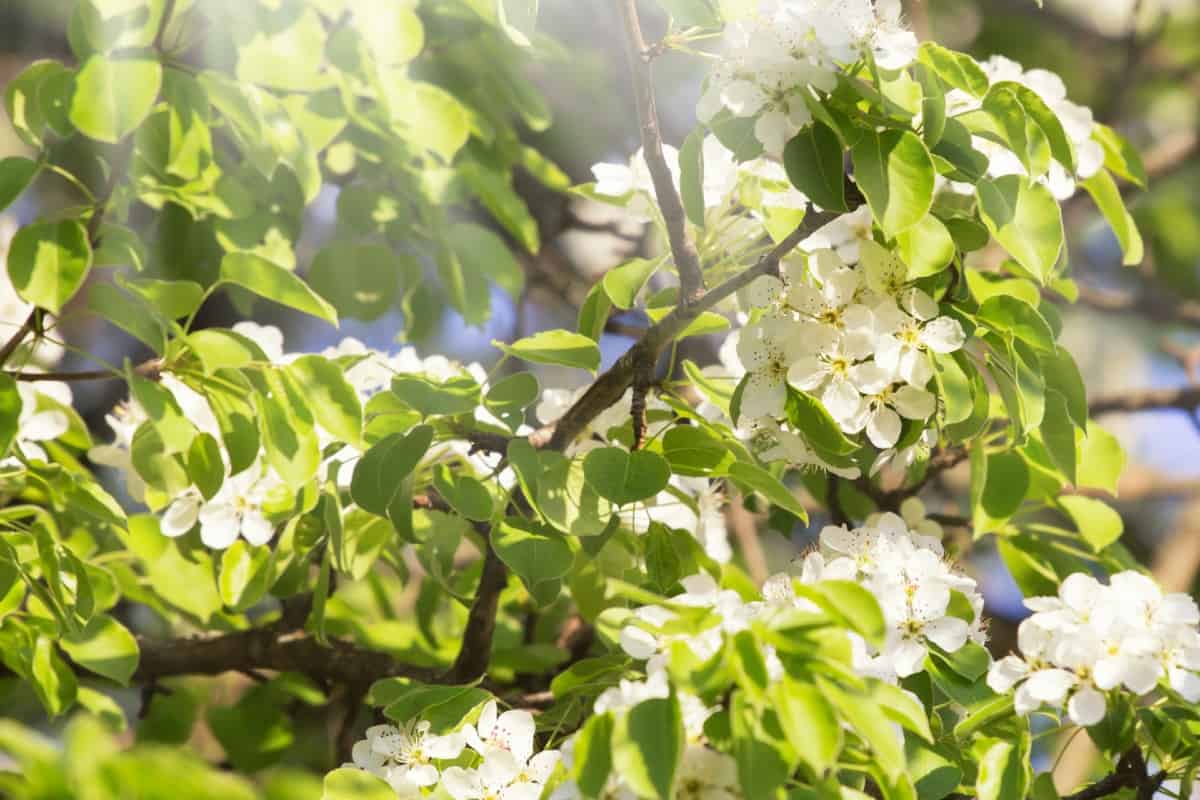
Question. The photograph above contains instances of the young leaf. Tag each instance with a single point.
(895, 172)
(113, 95)
(105, 647)
(273, 282)
(1026, 221)
(48, 262)
(555, 347)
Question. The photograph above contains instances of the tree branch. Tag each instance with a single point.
(476, 651)
(1183, 399)
(268, 647)
(687, 260)
(609, 387)
(148, 369)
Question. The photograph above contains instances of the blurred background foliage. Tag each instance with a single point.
(1135, 62)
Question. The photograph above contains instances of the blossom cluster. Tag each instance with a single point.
(1095, 638)
(774, 58)
(1077, 121)
(899, 559)
(242, 506)
(858, 336)
(499, 748)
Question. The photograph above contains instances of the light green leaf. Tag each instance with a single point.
(496, 192)
(814, 164)
(623, 283)
(430, 117)
(927, 247)
(10, 411)
(958, 70)
(114, 95)
(1098, 523)
(895, 172)
(459, 395)
(560, 347)
(536, 553)
(283, 56)
(594, 754)
(273, 282)
(205, 466)
(360, 280)
(648, 745)
(1026, 221)
(809, 722)
(1002, 772)
(379, 472)
(48, 262)
(53, 680)
(245, 573)
(16, 173)
(692, 13)
(484, 253)
(105, 647)
(510, 396)
(1104, 191)
(852, 605)
(758, 479)
(465, 494)
(334, 402)
(351, 783)
(1101, 459)
(1006, 480)
(626, 477)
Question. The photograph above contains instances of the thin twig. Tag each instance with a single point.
(687, 260)
(1184, 399)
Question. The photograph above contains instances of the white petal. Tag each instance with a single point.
(256, 529)
(542, 765)
(948, 633)
(841, 399)
(908, 658)
(180, 517)
(638, 643)
(462, 784)
(219, 525)
(883, 427)
(43, 426)
(914, 403)
(943, 335)
(1086, 707)
(1050, 685)
(1005, 673)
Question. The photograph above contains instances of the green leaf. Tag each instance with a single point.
(594, 754)
(112, 95)
(53, 680)
(449, 398)
(593, 314)
(510, 396)
(484, 253)
(1005, 482)
(691, 177)
(556, 347)
(648, 745)
(1013, 316)
(809, 722)
(852, 605)
(164, 411)
(10, 411)
(927, 247)
(205, 465)
(536, 553)
(870, 723)
(1098, 523)
(813, 159)
(286, 424)
(245, 574)
(626, 477)
(895, 172)
(130, 313)
(16, 173)
(432, 119)
(1101, 460)
(1058, 434)
(333, 401)
(1026, 221)
(281, 53)
(1107, 196)
(360, 280)
(1002, 772)
(692, 450)
(623, 283)
(758, 479)
(1120, 157)
(496, 192)
(465, 494)
(379, 472)
(351, 783)
(444, 707)
(273, 282)
(957, 70)
(105, 647)
(172, 299)
(48, 262)
(811, 418)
